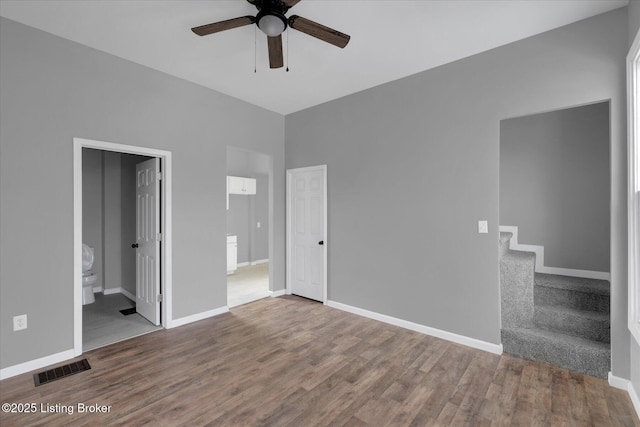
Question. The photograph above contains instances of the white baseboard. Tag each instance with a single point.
(627, 386)
(128, 294)
(97, 289)
(277, 293)
(618, 382)
(247, 263)
(32, 365)
(449, 336)
(540, 267)
(635, 398)
(195, 317)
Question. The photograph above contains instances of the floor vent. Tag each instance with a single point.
(61, 372)
(128, 311)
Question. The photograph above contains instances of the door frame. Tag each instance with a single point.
(166, 220)
(289, 273)
(633, 200)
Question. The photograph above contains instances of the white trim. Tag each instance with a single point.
(166, 215)
(32, 365)
(196, 317)
(635, 398)
(540, 267)
(247, 263)
(627, 386)
(122, 291)
(289, 234)
(633, 187)
(277, 293)
(97, 289)
(449, 336)
(128, 294)
(618, 382)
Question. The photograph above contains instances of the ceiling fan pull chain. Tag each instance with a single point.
(255, 48)
(287, 51)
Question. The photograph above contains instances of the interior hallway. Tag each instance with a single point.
(247, 284)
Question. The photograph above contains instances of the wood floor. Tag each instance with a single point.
(292, 362)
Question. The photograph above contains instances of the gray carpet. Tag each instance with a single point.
(557, 319)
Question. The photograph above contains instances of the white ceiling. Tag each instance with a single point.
(389, 39)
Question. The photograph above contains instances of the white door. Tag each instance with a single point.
(148, 240)
(306, 238)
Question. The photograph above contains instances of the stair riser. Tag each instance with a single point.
(576, 358)
(571, 299)
(573, 324)
(516, 279)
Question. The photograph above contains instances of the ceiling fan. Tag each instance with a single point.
(272, 21)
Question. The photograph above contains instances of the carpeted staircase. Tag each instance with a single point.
(557, 319)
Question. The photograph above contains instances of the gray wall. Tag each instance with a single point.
(245, 211)
(259, 212)
(634, 26)
(112, 227)
(238, 223)
(414, 164)
(54, 90)
(92, 210)
(554, 184)
(634, 19)
(243, 215)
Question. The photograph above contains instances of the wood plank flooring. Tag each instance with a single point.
(291, 362)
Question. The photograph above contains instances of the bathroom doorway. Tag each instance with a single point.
(249, 218)
(121, 213)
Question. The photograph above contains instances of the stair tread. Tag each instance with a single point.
(569, 339)
(594, 315)
(519, 255)
(579, 284)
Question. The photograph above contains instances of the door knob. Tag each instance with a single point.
(321, 242)
(135, 245)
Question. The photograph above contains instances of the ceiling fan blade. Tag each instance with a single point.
(276, 59)
(290, 3)
(216, 27)
(318, 31)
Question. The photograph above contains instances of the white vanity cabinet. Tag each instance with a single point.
(232, 254)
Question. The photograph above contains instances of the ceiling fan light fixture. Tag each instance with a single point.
(271, 23)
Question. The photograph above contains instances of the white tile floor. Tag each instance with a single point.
(248, 284)
(103, 324)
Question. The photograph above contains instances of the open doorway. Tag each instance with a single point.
(248, 225)
(109, 236)
(121, 242)
(555, 183)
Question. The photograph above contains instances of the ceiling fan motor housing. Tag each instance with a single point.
(272, 22)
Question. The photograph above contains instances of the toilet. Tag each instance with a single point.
(89, 278)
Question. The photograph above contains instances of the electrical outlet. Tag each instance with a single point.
(20, 322)
(258, 225)
(483, 227)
